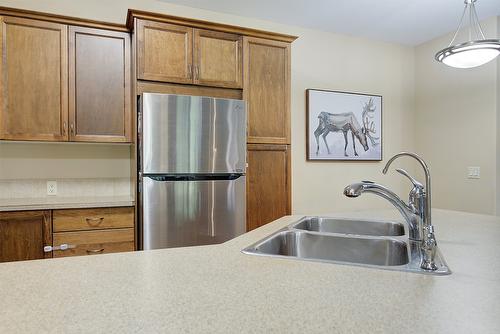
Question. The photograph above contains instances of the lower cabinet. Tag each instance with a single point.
(94, 242)
(268, 184)
(23, 235)
(93, 231)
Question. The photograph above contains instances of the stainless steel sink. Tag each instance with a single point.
(376, 244)
(350, 226)
(300, 244)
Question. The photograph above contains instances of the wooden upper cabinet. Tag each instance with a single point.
(181, 54)
(34, 70)
(23, 235)
(267, 90)
(99, 85)
(164, 52)
(218, 59)
(268, 184)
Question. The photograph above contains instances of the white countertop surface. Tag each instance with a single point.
(218, 289)
(48, 203)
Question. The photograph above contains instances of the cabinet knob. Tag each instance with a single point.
(64, 128)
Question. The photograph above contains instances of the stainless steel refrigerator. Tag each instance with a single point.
(192, 162)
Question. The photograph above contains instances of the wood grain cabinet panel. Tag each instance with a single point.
(34, 69)
(268, 184)
(23, 235)
(99, 85)
(164, 52)
(92, 219)
(217, 59)
(94, 242)
(267, 90)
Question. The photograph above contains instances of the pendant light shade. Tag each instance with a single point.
(473, 53)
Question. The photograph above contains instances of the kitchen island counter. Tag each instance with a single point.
(219, 289)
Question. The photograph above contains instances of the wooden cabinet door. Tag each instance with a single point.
(267, 90)
(34, 85)
(164, 52)
(268, 184)
(23, 234)
(217, 59)
(99, 85)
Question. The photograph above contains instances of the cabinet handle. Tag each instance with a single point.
(197, 73)
(94, 221)
(95, 251)
(190, 71)
(64, 128)
(72, 128)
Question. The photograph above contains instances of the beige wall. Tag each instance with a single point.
(319, 60)
(498, 128)
(456, 127)
(63, 160)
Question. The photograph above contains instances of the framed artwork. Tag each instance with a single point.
(343, 126)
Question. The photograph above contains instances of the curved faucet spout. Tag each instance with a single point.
(428, 219)
(356, 189)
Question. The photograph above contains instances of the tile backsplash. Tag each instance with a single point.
(37, 188)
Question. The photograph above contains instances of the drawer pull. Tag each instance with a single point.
(95, 251)
(94, 221)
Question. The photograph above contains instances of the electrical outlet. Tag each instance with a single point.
(474, 173)
(51, 188)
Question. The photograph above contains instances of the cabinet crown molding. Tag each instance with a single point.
(201, 24)
(134, 13)
(69, 20)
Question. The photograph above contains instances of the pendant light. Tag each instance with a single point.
(477, 51)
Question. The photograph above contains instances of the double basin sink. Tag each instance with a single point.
(379, 244)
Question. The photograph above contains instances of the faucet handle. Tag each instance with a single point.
(411, 178)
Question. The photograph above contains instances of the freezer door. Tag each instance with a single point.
(190, 213)
(192, 134)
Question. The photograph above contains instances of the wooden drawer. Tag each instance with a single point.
(94, 242)
(92, 219)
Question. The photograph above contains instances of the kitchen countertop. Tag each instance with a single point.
(219, 289)
(48, 203)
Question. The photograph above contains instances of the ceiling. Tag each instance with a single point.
(408, 22)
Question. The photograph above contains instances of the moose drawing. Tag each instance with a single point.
(347, 121)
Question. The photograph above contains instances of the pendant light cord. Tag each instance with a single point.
(477, 25)
(459, 25)
(473, 24)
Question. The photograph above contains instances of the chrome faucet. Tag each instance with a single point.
(417, 212)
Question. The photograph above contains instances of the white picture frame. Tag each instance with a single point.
(343, 126)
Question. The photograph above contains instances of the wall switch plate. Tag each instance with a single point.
(51, 188)
(474, 173)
